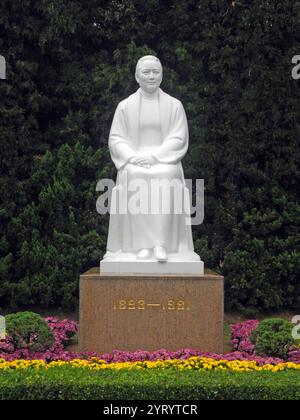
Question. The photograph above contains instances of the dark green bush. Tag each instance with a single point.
(273, 337)
(68, 384)
(29, 331)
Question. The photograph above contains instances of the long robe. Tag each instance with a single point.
(123, 236)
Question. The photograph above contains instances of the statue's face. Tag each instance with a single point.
(149, 76)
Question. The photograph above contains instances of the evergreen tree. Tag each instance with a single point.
(68, 65)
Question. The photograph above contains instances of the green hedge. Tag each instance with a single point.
(68, 383)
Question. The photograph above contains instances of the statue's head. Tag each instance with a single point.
(148, 73)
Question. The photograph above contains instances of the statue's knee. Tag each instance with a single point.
(133, 171)
(170, 172)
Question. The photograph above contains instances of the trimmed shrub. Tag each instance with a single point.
(78, 384)
(29, 330)
(273, 337)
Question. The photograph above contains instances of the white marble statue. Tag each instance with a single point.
(147, 141)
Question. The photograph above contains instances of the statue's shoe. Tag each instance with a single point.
(144, 254)
(160, 253)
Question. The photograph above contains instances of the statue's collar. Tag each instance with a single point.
(158, 93)
(149, 96)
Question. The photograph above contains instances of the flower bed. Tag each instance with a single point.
(192, 363)
(240, 339)
(64, 331)
(189, 373)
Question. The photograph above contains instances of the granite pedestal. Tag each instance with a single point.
(151, 311)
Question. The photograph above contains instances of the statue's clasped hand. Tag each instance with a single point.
(146, 161)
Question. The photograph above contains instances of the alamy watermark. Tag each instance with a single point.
(296, 329)
(296, 68)
(2, 328)
(152, 197)
(2, 67)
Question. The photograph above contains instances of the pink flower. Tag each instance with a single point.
(240, 336)
(64, 330)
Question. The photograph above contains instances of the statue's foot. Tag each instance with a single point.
(144, 254)
(160, 253)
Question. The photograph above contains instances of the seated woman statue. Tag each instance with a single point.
(147, 141)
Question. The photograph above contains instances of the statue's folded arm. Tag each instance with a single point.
(175, 145)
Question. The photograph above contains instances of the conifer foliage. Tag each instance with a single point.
(70, 62)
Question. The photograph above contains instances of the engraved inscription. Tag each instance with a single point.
(142, 304)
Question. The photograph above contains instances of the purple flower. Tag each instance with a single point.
(240, 336)
(64, 330)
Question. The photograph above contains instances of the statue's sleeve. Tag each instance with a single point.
(175, 145)
(119, 146)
